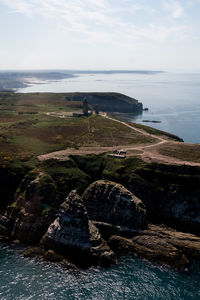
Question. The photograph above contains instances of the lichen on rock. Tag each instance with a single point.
(71, 227)
(75, 237)
(112, 203)
(28, 216)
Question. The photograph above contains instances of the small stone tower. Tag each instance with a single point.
(85, 107)
(96, 109)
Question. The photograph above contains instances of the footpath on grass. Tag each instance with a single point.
(148, 153)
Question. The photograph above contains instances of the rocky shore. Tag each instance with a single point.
(94, 228)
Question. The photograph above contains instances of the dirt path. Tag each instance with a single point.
(148, 153)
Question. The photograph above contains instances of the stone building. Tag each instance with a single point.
(85, 107)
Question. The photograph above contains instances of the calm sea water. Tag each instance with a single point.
(133, 278)
(172, 98)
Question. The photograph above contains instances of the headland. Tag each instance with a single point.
(63, 195)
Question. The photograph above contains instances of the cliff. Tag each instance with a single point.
(110, 213)
(108, 102)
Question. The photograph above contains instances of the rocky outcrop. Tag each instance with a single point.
(28, 217)
(80, 229)
(33, 251)
(161, 244)
(111, 203)
(182, 208)
(171, 190)
(75, 237)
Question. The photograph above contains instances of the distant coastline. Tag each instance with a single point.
(13, 80)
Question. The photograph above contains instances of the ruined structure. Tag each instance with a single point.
(85, 107)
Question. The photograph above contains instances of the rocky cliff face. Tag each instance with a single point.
(74, 236)
(81, 228)
(27, 218)
(109, 102)
(171, 194)
(183, 209)
(112, 203)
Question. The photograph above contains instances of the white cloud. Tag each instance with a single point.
(19, 6)
(100, 20)
(175, 9)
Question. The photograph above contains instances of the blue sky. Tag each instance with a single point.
(100, 34)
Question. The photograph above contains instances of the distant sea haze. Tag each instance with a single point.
(172, 98)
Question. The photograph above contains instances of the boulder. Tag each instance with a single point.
(121, 244)
(33, 251)
(75, 237)
(52, 256)
(158, 249)
(111, 203)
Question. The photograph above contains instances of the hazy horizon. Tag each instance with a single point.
(151, 71)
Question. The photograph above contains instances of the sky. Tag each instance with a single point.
(100, 34)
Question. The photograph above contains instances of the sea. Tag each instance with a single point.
(174, 100)
(133, 278)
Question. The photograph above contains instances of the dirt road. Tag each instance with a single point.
(148, 153)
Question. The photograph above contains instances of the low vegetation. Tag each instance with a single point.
(27, 126)
(186, 152)
(157, 132)
(27, 130)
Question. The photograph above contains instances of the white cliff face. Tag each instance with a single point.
(112, 203)
(71, 227)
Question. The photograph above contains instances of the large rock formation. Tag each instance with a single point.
(171, 193)
(111, 203)
(74, 236)
(182, 208)
(29, 216)
(161, 244)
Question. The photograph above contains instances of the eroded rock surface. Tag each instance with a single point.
(161, 244)
(26, 219)
(112, 203)
(74, 236)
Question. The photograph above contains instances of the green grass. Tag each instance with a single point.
(156, 131)
(34, 134)
(41, 133)
(33, 145)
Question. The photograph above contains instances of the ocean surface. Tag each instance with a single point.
(172, 98)
(25, 279)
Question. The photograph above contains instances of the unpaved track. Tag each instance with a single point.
(149, 153)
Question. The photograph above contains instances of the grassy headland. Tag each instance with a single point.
(38, 123)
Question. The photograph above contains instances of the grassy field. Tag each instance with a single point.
(30, 126)
(187, 152)
(26, 129)
(154, 131)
